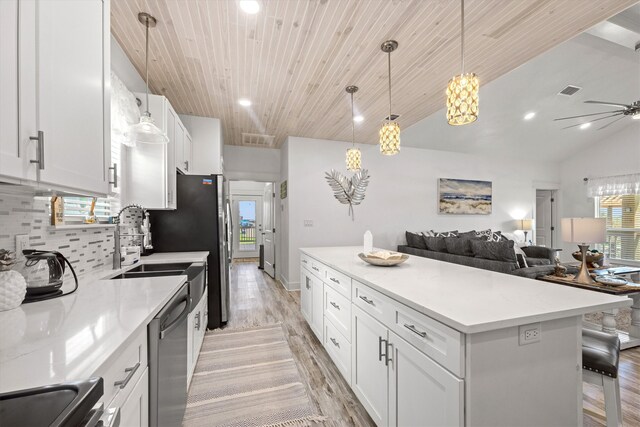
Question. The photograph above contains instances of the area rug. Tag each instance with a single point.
(623, 318)
(248, 377)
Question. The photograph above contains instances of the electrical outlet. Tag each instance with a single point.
(528, 334)
(308, 223)
(22, 242)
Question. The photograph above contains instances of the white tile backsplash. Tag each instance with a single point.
(87, 249)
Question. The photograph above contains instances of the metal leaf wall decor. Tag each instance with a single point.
(348, 191)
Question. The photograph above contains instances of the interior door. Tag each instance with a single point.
(544, 218)
(247, 220)
(268, 230)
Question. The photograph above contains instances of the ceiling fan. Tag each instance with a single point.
(632, 110)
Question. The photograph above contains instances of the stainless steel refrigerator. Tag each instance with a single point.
(201, 222)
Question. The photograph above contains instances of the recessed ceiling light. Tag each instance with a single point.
(358, 119)
(529, 116)
(585, 125)
(250, 6)
(244, 102)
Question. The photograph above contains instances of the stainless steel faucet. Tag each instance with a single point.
(117, 255)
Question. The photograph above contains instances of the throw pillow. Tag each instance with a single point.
(484, 233)
(468, 234)
(428, 233)
(458, 246)
(415, 240)
(520, 256)
(453, 233)
(496, 236)
(436, 244)
(498, 251)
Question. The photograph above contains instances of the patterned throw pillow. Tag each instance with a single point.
(453, 233)
(496, 236)
(484, 233)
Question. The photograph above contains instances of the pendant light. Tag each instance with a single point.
(354, 157)
(146, 130)
(390, 130)
(462, 91)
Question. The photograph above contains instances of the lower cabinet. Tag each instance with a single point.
(311, 301)
(421, 392)
(134, 410)
(196, 327)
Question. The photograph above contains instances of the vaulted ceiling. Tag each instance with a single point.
(294, 58)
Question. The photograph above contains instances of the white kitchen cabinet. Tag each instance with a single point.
(421, 392)
(134, 409)
(369, 376)
(311, 301)
(306, 295)
(63, 103)
(150, 168)
(188, 150)
(183, 148)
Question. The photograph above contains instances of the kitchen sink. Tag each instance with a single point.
(141, 274)
(161, 267)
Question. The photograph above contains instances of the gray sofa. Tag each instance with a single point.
(541, 260)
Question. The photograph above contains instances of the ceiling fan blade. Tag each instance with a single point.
(610, 123)
(587, 115)
(613, 104)
(594, 120)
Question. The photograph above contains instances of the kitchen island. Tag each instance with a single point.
(434, 343)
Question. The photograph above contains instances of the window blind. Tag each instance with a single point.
(622, 214)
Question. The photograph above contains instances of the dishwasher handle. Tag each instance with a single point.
(183, 314)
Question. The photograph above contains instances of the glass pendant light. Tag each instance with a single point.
(146, 130)
(462, 90)
(354, 157)
(390, 130)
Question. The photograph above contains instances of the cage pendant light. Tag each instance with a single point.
(146, 130)
(354, 157)
(390, 130)
(462, 90)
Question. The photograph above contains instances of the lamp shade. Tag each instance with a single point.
(584, 230)
(525, 224)
(146, 131)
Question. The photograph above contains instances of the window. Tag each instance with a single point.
(77, 208)
(623, 226)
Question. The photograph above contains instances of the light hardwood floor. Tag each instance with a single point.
(256, 299)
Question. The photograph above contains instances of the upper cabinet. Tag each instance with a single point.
(202, 148)
(55, 94)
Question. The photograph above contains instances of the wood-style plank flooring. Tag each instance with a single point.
(256, 299)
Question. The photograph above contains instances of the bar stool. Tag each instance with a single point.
(600, 358)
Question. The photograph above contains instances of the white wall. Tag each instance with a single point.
(402, 194)
(124, 69)
(206, 135)
(617, 155)
(282, 251)
(249, 163)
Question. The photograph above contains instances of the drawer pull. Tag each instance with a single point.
(308, 287)
(131, 372)
(315, 268)
(304, 261)
(337, 307)
(334, 280)
(336, 343)
(413, 329)
(367, 300)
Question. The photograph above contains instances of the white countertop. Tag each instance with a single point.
(465, 298)
(70, 338)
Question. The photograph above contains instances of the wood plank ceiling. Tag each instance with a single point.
(295, 57)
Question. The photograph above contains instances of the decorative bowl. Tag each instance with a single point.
(592, 258)
(611, 280)
(383, 262)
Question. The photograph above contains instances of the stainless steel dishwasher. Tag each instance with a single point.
(168, 362)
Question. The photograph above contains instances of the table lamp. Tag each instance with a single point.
(584, 231)
(525, 225)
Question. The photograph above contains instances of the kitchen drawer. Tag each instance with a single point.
(338, 281)
(438, 341)
(338, 348)
(318, 269)
(305, 261)
(337, 309)
(381, 307)
(126, 369)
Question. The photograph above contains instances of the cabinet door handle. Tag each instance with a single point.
(40, 151)
(380, 355)
(315, 268)
(336, 306)
(387, 359)
(186, 165)
(198, 321)
(367, 300)
(130, 373)
(114, 168)
(336, 343)
(413, 329)
(334, 280)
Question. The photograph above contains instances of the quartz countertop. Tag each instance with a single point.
(70, 338)
(467, 299)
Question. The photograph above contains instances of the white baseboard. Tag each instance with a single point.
(290, 286)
